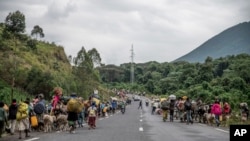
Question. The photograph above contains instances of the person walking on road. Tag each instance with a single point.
(154, 106)
(188, 107)
(92, 113)
(3, 118)
(216, 110)
(12, 116)
(171, 110)
(140, 104)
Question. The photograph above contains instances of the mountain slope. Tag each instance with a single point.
(233, 41)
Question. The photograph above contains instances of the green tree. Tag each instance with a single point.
(84, 69)
(221, 67)
(238, 83)
(39, 82)
(37, 31)
(150, 86)
(94, 57)
(15, 23)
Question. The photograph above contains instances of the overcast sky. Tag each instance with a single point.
(160, 30)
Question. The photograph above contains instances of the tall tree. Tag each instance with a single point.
(37, 31)
(95, 57)
(15, 23)
(84, 67)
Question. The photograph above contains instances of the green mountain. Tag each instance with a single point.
(232, 41)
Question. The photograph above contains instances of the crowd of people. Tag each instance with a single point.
(66, 114)
(187, 110)
(61, 113)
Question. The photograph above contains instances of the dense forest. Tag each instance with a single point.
(227, 78)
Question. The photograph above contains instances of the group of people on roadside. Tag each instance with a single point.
(13, 117)
(38, 108)
(184, 108)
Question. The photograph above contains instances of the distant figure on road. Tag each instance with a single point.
(140, 104)
(92, 115)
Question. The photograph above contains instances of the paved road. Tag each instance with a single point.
(135, 125)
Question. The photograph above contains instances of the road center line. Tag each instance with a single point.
(140, 129)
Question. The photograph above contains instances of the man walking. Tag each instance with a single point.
(140, 104)
(188, 106)
(12, 116)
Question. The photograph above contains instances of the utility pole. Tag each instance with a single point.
(132, 66)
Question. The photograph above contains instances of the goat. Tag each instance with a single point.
(48, 122)
(62, 122)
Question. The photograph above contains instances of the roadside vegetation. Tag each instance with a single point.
(30, 66)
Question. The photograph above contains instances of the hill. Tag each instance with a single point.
(29, 66)
(232, 41)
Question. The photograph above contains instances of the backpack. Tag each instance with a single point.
(39, 108)
(180, 105)
(188, 105)
(165, 105)
(74, 105)
(22, 111)
(92, 112)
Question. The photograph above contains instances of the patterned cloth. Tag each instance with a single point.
(23, 124)
(91, 121)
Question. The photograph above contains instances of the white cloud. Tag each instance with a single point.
(161, 30)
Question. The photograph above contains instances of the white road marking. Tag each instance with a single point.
(140, 120)
(221, 130)
(225, 131)
(140, 129)
(32, 139)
